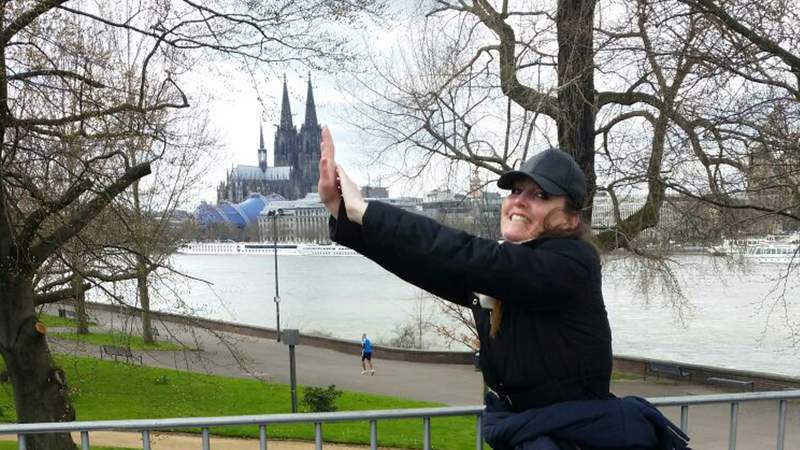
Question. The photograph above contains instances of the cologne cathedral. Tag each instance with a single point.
(296, 156)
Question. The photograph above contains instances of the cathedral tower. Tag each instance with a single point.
(309, 151)
(286, 134)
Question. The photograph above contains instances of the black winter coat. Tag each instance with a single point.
(554, 342)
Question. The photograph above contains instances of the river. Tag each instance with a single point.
(729, 316)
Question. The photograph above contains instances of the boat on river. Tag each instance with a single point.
(774, 253)
(775, 249)
(264, 248)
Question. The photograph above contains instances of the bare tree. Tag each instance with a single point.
(461, 328)
(147, 209)
(659, 97)
(691, 104)
(65, 119)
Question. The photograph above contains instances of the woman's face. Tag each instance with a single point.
(524, 210)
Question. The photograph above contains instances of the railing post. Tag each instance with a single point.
(21, 443)
(262, 437)
(685, 418)
(293, 378)
(426, 433)
(781, 423)
(734, 425)
(84, 440)
(206, 440)
(318, 435)
(479, 432)
(146, 439)
(373, 435)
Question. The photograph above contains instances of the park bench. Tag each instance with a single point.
(672, 371)
(116, 351)
(67, 313)
(744, 385)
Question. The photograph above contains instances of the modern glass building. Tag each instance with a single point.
(239, 215)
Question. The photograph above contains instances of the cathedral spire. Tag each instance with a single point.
(286, 109)
(311, 109)
(262, 151)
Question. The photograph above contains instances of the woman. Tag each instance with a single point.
(543, 329)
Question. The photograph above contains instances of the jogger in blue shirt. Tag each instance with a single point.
(366, 355)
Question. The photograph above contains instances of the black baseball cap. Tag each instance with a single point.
(555, 172)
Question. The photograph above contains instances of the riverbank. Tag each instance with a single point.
(740, 380)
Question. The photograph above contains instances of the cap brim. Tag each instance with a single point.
(506, 181)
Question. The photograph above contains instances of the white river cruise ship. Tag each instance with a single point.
(263, 248)
(774, 253)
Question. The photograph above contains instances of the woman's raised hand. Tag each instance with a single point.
(328, 185)
(354, 203)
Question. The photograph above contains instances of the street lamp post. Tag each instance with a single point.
(277, 298)
(291, 337)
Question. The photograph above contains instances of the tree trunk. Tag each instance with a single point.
(40, 388)
(80, 303)
(576, 95)
(144, 299)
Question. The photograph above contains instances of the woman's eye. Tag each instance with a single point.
(542, 195)
(516, 191)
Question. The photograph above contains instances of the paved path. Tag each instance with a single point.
(442, 383)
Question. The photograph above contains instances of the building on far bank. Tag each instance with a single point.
(374, 192)
(301, 220)
(306, 219)
(477, 212)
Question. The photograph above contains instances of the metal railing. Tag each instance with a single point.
(782, 397)
(146, 426)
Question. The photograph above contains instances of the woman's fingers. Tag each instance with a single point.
(349, 188)
(353, 201)
(326, 146)
(327, 186)
(327, 160)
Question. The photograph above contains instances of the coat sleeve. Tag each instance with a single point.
(412, 270)
(545, 277)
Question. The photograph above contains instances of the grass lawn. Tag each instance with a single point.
(60, 322)
(622, 376)
(118, 339)
(108, 390)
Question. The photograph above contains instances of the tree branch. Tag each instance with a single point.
(526, 97)
(125, 107)
(35, 219)
(57, 296)
(57, 73)
(26, 18)
(48, 245)
(760, 40)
